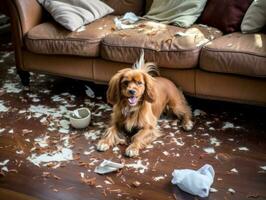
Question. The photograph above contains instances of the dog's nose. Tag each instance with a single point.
(132, 92)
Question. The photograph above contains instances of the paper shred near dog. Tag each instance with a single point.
(108, 166)
(3, 108)
(198, 112)
(136, 184)
(263, 168)
(215, 141)
(228, 125)
(93, 135)
(42, 141)
(62, 155)
(213, 190)
(86, 180)
(178, 141)
(231, 190)
(89, 92)
(141, 168)
(19, 152)
(209, 150)
(2, 130)
(3, 163)
(12, 87)
(234, 170)
(243, 149)
(158, 178)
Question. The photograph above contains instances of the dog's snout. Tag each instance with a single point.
(132, 92)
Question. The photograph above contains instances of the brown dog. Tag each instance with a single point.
(138, 100)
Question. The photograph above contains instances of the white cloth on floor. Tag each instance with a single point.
(194, 182)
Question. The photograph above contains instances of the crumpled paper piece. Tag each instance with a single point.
(195, 182)
(108, 166)
(127, 21)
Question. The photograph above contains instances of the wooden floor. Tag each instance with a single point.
(235, 133)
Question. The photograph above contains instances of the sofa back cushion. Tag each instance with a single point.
(255, 17)
(122, 6)
(225, 15)
(182, 13)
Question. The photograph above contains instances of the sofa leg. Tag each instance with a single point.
(24, 77)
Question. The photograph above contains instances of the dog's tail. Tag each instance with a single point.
(150, 68)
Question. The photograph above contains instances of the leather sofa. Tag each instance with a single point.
(209, 65)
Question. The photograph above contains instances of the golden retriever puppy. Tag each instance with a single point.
(138, 100)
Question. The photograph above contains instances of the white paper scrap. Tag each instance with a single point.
(108, 166)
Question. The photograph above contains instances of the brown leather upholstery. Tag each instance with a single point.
(51, 38)
(123, 6)
(29, 13)
(236, 53)
(68, 66)
(160, 44)
(230, 87)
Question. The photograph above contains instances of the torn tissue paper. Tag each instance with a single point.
(108, 166)
(127, 21)
(194, 182)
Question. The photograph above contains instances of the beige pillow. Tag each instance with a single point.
(179, 12)
(72, 14)
(255, 17)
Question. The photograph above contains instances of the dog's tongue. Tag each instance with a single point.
(132, 100)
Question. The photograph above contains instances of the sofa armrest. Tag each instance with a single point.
(24, 15)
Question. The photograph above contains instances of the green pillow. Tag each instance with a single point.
(73, 14)
(182, 13)
(255, 17)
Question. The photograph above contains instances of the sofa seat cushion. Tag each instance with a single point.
(51, 38)
(236, 53)
(160, 43)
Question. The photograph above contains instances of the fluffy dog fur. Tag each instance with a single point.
(138, 100)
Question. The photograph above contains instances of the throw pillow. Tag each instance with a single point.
(182, 13)
(225, 15)
(73, 14)
(255, 17)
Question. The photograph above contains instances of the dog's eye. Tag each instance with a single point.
(125, 82)
(139, 83)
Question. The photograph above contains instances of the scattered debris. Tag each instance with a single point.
(64, 154)
(234, 170)
(231, 190)
(158, 178)
(215, 141)
(198, 112)
(243, 149)
(136, 183)
(3, 163)
(213, 190)
(263, 167)
(209, 150)
(138, 166)
(108, 166)
(89, 92)
(3, 108)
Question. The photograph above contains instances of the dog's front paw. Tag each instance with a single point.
(132, 151)
(188, 125)
(102, 146)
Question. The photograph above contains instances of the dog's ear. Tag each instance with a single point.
(149, 94)
(113, 92)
